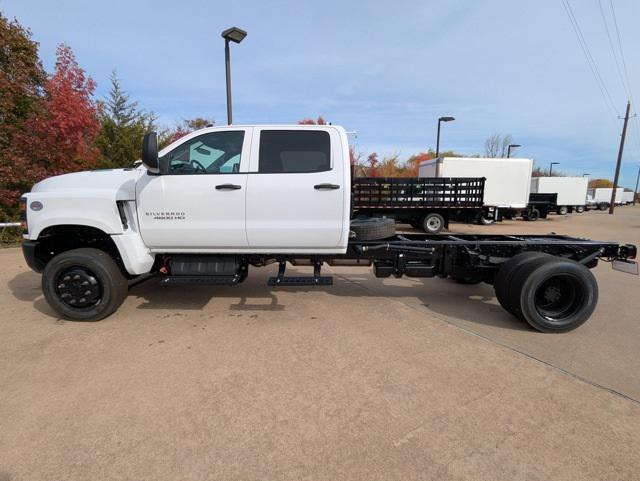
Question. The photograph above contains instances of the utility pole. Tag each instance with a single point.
(615, 178)
(635, 192)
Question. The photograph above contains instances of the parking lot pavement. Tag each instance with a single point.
(367, 379)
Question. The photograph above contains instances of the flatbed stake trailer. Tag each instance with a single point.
(223, 200)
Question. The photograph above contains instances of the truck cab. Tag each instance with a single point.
(251, 189)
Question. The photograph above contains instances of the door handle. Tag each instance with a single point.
(228, 187)
(326, 186)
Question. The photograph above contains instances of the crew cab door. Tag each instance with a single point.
(198, 201)
(296, 190)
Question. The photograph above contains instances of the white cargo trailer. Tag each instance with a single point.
(603, 194)
(627, 196)
(507, 180)
(572, 191)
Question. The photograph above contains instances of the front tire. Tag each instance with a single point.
(563, 210)
(84, 284)
(580, 209)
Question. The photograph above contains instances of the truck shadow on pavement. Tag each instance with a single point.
(470, 304)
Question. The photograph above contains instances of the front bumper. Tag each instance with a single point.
(29, 253)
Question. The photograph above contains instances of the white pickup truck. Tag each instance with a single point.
(222, 200)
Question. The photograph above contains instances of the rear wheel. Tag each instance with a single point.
(84, 284)
(563, 210)
(433, 223)
(603, 206)
(533, 215)
(482, 220)
(554, 295)
(505, 275)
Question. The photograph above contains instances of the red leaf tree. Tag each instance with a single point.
(60, 136)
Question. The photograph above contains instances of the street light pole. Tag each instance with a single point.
(551, 167)
(236, 35)
(510, 146)
(227, 66)
(441, 119)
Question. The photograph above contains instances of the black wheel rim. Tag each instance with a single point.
(558, 298)
(78, 288)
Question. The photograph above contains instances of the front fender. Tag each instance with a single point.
(89, 208)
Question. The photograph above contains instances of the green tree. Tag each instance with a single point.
(22, 78)
(122, 127)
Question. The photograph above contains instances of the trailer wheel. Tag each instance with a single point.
(533, 215)
(554, 295)
(433, 223)
(84, 284)
(482, 220)
(579, 209)
(373, 228)
(505, 275)
(563, 210)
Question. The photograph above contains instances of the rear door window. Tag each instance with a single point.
(294, 151)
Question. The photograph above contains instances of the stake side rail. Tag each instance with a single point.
(417, 192)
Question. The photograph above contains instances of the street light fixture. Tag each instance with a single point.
(551, 167)
(586, 174)
(441, 119)
(510, 146)
(236, 35)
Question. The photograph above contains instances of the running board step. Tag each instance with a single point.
(301, 281)
(201, 280)
(315, 280)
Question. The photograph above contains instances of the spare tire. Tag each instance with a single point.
(373, 228)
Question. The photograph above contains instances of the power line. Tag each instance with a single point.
(613, 51)
(590, 60)
(626, 72)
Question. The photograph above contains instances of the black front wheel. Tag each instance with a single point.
(84, 284)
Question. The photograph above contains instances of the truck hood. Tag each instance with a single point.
(122, 182)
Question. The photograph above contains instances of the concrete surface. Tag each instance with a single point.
(401, 379)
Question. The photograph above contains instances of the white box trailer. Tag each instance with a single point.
(572, 191)
(507, 180)
(603, 195)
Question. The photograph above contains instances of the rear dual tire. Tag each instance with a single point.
(551, 294)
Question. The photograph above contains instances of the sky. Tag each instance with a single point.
(383, 69)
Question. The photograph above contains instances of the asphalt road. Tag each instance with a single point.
(367, 379)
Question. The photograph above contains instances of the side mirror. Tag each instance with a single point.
(150, 152)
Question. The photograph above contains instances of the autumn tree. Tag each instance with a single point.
(597, 183)
(170, 134)
(59, 136)
(309, 121)
(122, 127)
(22, 80)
